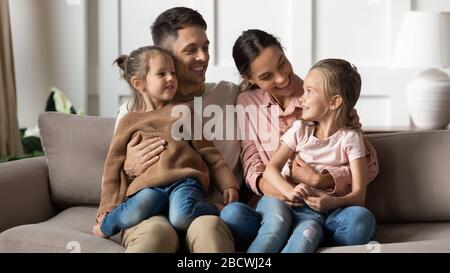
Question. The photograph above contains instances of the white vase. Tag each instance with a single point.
(428, 99)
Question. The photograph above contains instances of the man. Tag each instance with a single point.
(182, 31)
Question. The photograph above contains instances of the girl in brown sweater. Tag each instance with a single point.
(177, 182)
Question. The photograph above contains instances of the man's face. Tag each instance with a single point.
(191, 52)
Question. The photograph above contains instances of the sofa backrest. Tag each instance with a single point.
(413, 183)
(76, 149)
(414, 179)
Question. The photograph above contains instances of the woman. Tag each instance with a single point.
(269, 82)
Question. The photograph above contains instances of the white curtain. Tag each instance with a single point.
(10, 142)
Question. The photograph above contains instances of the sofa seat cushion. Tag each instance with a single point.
(411, 237)
(65, 232)
(430, 246)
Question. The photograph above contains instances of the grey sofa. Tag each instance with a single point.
(48, 204)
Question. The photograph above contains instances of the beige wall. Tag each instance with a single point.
(72, 46)
(49, 50)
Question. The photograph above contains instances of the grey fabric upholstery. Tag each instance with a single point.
(76, 148)
(412, 232)
(414, 180)
(69, 231)
(409, 198)
(428, 246)
(24, 193)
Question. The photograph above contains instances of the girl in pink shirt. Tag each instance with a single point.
(324, 137)
(275, 91)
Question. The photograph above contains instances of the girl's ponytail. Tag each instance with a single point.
(122, 64)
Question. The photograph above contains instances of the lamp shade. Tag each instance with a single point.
(423, 41)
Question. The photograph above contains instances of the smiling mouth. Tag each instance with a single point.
(286, 84)
(198, 68)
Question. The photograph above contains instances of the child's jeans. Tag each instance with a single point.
(345, 226)
(300, 227)
(183, 198)
(307, 230)
(276, 222)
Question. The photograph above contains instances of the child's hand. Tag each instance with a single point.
(320, 201)
(294, 196)
(303, 189)
(230, 195)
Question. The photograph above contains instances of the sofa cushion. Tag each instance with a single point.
(407, 237)
(414, 180)
(76, 148)
(410, 232)
(429, 246)
(66, 232)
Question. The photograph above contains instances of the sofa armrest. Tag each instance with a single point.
(24, 193)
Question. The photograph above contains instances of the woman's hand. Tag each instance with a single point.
(141, 154)
(230, 195)
(303, 173)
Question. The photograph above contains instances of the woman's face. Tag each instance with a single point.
(272, 72)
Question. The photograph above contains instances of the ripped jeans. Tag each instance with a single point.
(274, 227)
(287, 229)
(307, 230)
(346, 226)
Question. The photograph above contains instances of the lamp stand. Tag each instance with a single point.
(428, 99)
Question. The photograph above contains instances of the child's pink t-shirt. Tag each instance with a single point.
(337, 150)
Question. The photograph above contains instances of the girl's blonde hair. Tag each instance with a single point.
(137, 65)
(341, 78)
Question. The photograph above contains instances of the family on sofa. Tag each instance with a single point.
(290, 174)
(312, 173)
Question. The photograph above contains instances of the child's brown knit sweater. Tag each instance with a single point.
(180, 159)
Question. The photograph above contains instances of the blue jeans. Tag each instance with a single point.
(276, 222)
(307, 230)
(183, 199)
(345, 226)
(349, 226)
